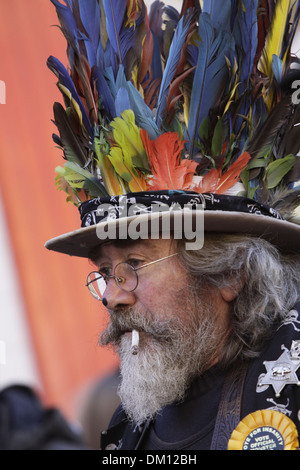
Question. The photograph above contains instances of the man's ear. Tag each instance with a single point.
(230, 292)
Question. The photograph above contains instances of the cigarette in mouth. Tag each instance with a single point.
(135, 342)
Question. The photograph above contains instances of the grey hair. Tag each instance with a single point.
(270, 286)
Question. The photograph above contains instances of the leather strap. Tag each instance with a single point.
(229, 412)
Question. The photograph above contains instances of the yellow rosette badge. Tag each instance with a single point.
(265, 430)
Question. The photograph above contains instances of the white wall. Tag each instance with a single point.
(17, 363)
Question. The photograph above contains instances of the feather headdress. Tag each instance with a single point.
(204, 99)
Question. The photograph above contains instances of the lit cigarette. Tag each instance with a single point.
(135, 342)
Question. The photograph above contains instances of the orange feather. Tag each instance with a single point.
(168, 169)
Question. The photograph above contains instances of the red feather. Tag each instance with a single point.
(216, 182)
(168, 169)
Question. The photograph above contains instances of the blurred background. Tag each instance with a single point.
(49, 323)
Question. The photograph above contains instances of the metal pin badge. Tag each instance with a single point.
(281, 372)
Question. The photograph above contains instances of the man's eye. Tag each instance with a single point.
(105, 271)
(135, 262)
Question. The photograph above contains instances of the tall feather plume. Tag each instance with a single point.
(175, 63)
(202, 99)
(210, 76)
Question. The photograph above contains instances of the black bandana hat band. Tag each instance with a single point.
(108, 208)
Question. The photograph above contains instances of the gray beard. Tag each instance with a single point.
(171, 354)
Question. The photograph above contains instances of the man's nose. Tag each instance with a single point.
(115, 297)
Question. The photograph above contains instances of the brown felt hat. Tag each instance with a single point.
(173, 213)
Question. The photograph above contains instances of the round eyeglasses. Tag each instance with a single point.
(125, 277)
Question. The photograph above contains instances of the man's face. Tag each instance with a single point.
(154, 281)
(178, 328)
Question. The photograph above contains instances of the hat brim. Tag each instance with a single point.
(283, 234)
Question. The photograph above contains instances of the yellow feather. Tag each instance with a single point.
(127, 154)
(112, 182)
(116, 158)
(275, 37)
(273, 45)
(67, 92)
(127, 173)
(126, 135)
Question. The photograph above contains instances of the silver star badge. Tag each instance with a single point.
(283, 371)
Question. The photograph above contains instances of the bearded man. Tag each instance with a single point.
(218, 327)
(188, 117)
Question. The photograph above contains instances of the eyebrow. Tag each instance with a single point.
(130, 245)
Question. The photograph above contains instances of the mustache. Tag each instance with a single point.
(126, 320)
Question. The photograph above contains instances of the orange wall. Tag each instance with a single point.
(64, 321)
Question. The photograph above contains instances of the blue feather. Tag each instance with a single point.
(175, 52)
(90, 17)
(245, 22)
(122, 37)
(143, 114)
(234, 6)
(245, 34)
(105, 93)
(277, 68)
(211, 70)
(107, 56)
(172, 14)
(114, 12)
(122, 101)
(220, 16)
(67, 21)
(156, 60)
(121, 79)
(110, 78)
(192, 54)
